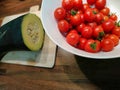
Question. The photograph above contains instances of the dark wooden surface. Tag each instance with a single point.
(70, 72)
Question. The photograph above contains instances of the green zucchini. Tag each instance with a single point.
(25, 32)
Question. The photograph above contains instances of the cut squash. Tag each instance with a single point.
(24, 32)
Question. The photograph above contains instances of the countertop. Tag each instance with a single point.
(70, 72)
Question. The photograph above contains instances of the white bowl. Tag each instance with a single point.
(50, 26)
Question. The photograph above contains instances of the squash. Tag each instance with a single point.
(25, 32)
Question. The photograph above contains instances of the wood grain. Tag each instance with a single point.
(65, 75)
(9, 7)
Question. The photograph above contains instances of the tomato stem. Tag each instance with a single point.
(73, 12)
(101, 34)
(118, 24)
(112, 14)
(94, 12)
(93, 46)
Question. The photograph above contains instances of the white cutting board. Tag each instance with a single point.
(43, 58)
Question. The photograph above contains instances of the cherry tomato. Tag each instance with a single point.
(92, 24)
(67, 17)
(67, 4)
(105, 11)
(79, 12)
(73, 38)
(116, 31)
(77, 4)
(85, 7)
(92, 46)
(73, 31)
(113, 17)
(105, 18)
(82, 42)
(114, 38)
(87, 32)
(77, 19)
(60, 13)
(100, 4)
(107, 45)
(80, 27)
(63, 26)
(98, 32)
(91, 2)
(89, 15)
(99, 18)
(108, 25)
(95, 10)
(88, 26)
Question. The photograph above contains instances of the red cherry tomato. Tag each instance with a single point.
(82, 42)
(105, 11)
(67, 4)
(95, 10)
(98, 32)
(113, 17)
(100, 4)
(108, 25)
(59, 13)
(77, 19)
(82, 18)
(88, 26)
(89, 15)
(80, 27)
(114, 38)
(73, 38)
(92, 24)
(116, 31)
(99, 18)
(67, 17)
(91, 2)
(77, 4)
(73, 31)
(79, 12)
(63, 26)
(87, 32)
(105, 18)
(107, 45)
(92, 46)
(85, 7)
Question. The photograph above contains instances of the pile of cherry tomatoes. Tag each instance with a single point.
(89, 26)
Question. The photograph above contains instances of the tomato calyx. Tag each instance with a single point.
(117, 23)
(111, 14)
(100, 36)
(73, 12)
(93, 45)
(94, 12)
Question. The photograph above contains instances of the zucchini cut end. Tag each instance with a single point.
(32, 32)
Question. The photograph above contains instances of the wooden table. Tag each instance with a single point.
(70, 72)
